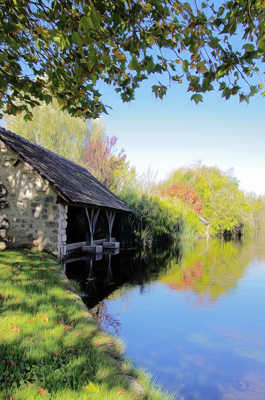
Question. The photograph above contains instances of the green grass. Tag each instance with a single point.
(50, 347)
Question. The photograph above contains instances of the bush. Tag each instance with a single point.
(161, 220)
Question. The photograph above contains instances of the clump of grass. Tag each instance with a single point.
(50, 348)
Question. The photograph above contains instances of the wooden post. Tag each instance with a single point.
(110, 218)
(110, 243)
(92, 218)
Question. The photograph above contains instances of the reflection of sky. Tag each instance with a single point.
(212, 352)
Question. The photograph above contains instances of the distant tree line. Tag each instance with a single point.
(84, 142)
(163, 212)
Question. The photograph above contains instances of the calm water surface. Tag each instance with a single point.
(195, 319)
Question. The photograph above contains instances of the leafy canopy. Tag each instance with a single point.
(188, 195)
(102, 157)
(63, 48)
(225, 206)
(53, 129)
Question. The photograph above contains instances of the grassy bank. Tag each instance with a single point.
(50, 347)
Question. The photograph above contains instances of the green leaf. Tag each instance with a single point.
(197, 98)
(249, 47)
(92, 387)
(134, 65)
(220, 11)
(38, 44)
(76, 38)
(185, 66)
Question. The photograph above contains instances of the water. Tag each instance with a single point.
(195, 319)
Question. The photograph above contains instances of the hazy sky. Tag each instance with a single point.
(175, 132)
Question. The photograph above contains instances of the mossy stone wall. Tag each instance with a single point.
(29, 209)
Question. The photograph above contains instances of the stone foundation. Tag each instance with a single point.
(30, 215)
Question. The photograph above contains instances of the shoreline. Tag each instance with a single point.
(50, 345)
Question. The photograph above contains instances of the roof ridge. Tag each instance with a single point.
(41, 147)
(76, 191)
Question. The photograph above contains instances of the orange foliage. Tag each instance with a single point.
(189, 277)
(186, 194)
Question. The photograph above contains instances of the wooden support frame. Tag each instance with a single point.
(96, 246)
(110, 218)
(92, 218)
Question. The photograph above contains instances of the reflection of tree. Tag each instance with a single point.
(209, 271)
(189, 277)
(105, 320)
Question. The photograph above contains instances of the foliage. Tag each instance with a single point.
(257, 215)
(65, 48)
(161, 220)
(155, 221)
(188, 195)
(83, 142)
(225, 206)
(49, 347)
(53, 129)
(104, 160)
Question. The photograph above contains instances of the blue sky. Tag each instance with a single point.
(174, 132)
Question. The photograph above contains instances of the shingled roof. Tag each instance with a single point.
(72, 181)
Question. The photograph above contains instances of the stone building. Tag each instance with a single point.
(50, 203)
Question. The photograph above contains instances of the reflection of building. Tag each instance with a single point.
(94, 273)
(50, 203)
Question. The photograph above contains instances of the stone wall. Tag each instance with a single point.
(63, 216)
(29, 213)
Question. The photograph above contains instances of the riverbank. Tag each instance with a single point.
(50, 346)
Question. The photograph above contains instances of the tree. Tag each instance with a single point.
(64, 48)
(54, 129)
(104, 160)
(186, 194)
(224, 205)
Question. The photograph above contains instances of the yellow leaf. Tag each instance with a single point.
(15, 328)
(44, 318)
(41, 390)
(92, 387)
(261, 85)
(121, 391)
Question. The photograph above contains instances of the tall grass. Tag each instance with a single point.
(159, 220)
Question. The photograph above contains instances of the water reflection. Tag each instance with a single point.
(193, 317)
(99, 276)
(209, 271)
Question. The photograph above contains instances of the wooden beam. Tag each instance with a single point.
(73, 246)
(94, 249)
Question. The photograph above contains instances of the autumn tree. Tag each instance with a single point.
(65, 48)
(105, 160)
(225, 206)
(53, 129)
(186, 194)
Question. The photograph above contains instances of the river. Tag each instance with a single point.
(192, 317)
